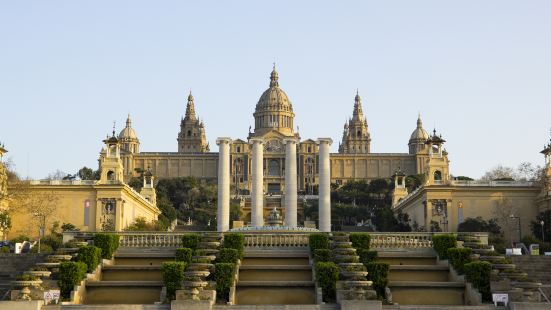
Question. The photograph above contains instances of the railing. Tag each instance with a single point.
(491, 183)
(276, 240)
(63, 182)
(379, 240)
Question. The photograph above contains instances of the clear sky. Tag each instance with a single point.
(480, 71)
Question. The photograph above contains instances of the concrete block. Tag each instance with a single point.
(21, 305)
(361, 305)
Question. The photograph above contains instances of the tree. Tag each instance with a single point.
(57, 175)
(414, 181)
(5, 223)
(528, 172)
(536, 226)
(86, 173)
(39, 207)
(478, 224)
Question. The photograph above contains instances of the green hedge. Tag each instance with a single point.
(224, 276)
(227, 255)
(108, 243)
(173, 275)
(327, 275)
(478, 273)
(184, 255)
(318, 241)
(70, 274)
(360, 240)
(378, 273)
(191, 240)
(235, 241)
(90, 255)
(441, 244)
(322, 255)
(459, 257)
(366, 256)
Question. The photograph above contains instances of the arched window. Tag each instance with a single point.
(359, 134)
(110, 175)
(437, 175)
(189, 133)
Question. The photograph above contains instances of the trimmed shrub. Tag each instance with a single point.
(90, 255)
(478, 273)
(70, 274)
(322, 255)
(44, 249)
(360, 240)
(318, 241)
(191, 240)
(5, 249)
(459, 257)
(184, 255)
(327, 275)
(108, 243)
(441, 244)
(378, 273)
(173, 275)
(235, 241)
(224, 276)
(228, 255)
(366, 256)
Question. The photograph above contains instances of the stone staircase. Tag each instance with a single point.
(12, 265)
(537, 268)
(416, 278)
(134, 278)
(272, 277)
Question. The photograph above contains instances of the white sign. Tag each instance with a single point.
(52, 295)
(503, 298)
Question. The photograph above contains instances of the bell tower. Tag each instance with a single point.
(437, 168)
(192, 137)
(356, 138)
(400, 190)
(148, 190)
(111, 163)
(546, 189)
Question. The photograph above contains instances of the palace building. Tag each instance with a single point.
(274, 121)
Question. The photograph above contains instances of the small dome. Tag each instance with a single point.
(419, 133)
(274, 98)
(128, 132)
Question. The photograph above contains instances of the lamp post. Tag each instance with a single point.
(512, 216)
(542, 234)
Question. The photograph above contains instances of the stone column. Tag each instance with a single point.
(324, 190)
(223, 215)
(257, 192)
(290, 182)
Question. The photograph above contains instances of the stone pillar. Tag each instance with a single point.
(290, 182)
(324, 190)
(223, 216)
(257, 192)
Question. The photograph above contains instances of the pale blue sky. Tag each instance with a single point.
(480, 71)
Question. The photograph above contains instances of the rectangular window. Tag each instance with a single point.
(87, 213)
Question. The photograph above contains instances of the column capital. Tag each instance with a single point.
(222, 140)
(290, 140)
(329, 141)
(256, 140)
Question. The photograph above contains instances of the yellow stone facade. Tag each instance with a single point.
(274, 121)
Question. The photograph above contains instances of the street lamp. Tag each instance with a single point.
(542, 234)
(512, 216)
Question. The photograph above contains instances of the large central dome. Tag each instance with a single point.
(274, 110)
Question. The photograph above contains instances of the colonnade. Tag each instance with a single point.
(257, 191)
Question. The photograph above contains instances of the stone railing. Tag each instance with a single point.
(412, 240)
(263, 240)
(62, 182)
(379, 240)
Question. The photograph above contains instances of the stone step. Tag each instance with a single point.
(134, 273)
(277, 307)
(271, 254)
(275, 274)
(427, 293)
(275, 267)
(277, 297)
(448, 307)
(134, 260)
(110, 294)
(109, 307)
(433, 273)
(285, 261)
(275, 283)
(124, 284)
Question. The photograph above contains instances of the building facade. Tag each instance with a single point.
(274, 121)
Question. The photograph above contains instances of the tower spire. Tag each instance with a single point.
(128, 121)
(274, 77)
(190, 108)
